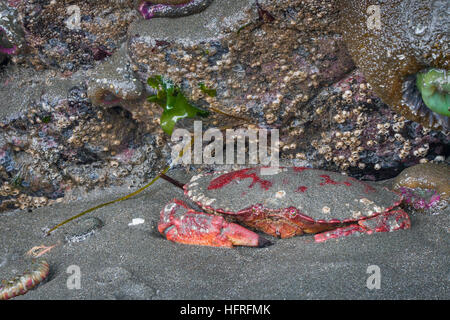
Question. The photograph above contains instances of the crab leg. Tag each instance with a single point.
(181, 224)
(387, 222)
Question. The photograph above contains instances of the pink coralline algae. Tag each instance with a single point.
(5, 48)
(420, 199)
(148, 10)
(11, 33)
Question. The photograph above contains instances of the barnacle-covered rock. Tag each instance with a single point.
(62, 144)
(113, 83)
(68, 35)
(265, 60)
(328, 116)
(12, 38)
(271, 64)
(346, 127)
(411, 37)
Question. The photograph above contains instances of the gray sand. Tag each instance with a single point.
(134, 262)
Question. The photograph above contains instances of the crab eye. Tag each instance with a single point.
(427, 94)
(434, 86)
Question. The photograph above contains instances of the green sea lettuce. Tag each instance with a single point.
(173, 102)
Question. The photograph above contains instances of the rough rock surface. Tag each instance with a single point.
(279, 64)
(275, 64)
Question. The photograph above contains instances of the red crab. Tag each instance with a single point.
(288, 202)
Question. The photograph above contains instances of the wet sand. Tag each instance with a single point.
(134, 262)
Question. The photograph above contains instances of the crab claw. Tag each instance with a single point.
(386, 222)
(181, 224)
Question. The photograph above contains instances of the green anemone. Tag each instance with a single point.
(434, 86)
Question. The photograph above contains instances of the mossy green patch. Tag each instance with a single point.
(46, 119)
(206, 90)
